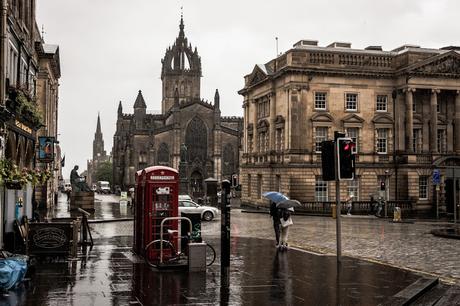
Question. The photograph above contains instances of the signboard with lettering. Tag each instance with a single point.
(161, 177)
(50, 238)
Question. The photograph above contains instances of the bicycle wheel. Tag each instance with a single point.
(154, 245)
(210, 255)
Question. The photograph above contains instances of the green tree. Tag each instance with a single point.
(104, 172)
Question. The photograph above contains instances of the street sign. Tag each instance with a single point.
(436, 177)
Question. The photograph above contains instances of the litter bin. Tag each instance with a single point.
(196, 228)
(397, 214)
(334, 211)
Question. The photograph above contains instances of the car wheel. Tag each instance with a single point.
(208, 216)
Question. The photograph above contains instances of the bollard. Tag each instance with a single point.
(334, 211)
(397, 214)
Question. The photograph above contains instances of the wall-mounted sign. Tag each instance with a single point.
(46, 149)
(22, 126)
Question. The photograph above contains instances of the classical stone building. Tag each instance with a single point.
(99, 154)
(189, 134)
(402, 108)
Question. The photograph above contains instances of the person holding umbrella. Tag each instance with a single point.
(275, 197)
(275, 214)
(286, 207)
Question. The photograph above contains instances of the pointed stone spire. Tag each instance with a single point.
(98, 127)
(216, 100)
(140, 103)
(120, 109)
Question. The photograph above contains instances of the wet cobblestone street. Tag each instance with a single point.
(405, 245)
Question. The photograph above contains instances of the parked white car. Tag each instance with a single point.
(207, 212)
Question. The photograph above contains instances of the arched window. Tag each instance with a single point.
(163, 155)
(196, 140)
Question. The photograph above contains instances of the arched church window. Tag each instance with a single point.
(228, 161)
(196, 140)
(163, 155)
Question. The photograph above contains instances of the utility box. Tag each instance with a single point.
(197, 257)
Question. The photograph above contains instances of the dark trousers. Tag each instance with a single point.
(276, 227)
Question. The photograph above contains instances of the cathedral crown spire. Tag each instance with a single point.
(181, 27)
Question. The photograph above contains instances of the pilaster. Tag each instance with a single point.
(409, 119)
(434, 120)
(457, 123)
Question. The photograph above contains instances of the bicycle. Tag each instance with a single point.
(175, 257)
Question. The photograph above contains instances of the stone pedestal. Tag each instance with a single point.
(183, 178)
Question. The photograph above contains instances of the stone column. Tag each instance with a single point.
(245, 126)
(409, 119)
(272, 139)
(434, 120)
(255, 136)
(457, 122)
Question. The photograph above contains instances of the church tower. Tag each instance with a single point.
(98, 142)
(181, 69)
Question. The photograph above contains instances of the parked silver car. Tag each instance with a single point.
(207, 212)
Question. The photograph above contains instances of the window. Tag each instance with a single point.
(423, 187)
(321, 190)
(263, 142)
(438, 107)
(442, 141)
(353, 189)
(320, 100)
(414, 107)
(263, 108)
(250, 143)
(351, 102)
(353, 133)
(417, 140)
(259, 186)
(382, 103)
(279, 141)
(320, 136)
(382, 135)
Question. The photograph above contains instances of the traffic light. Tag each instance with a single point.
(328, 160)
(346, 158)
(382, 185)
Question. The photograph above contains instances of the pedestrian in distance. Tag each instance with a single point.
(286, 222)
(349, 201)
(275, 214)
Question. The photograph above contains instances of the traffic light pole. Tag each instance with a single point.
(337, 202)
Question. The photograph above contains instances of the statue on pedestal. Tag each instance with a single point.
(78, 183)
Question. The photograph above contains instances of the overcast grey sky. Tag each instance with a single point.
(110, 49)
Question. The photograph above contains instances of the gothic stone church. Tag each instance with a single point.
(187, 124)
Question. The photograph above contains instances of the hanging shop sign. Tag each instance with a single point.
(46, 149)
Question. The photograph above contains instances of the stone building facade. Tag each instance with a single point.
(189, 134)
(29, 76)
(402, 108)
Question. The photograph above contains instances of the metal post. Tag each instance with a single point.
(437, 201)
(337, 199)
(337, 208)
(225, 234)
(455, 198)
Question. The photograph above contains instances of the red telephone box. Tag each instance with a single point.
(157, 192)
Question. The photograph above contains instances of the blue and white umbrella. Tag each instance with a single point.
(275, 196)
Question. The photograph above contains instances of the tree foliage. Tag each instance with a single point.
(104, 172)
